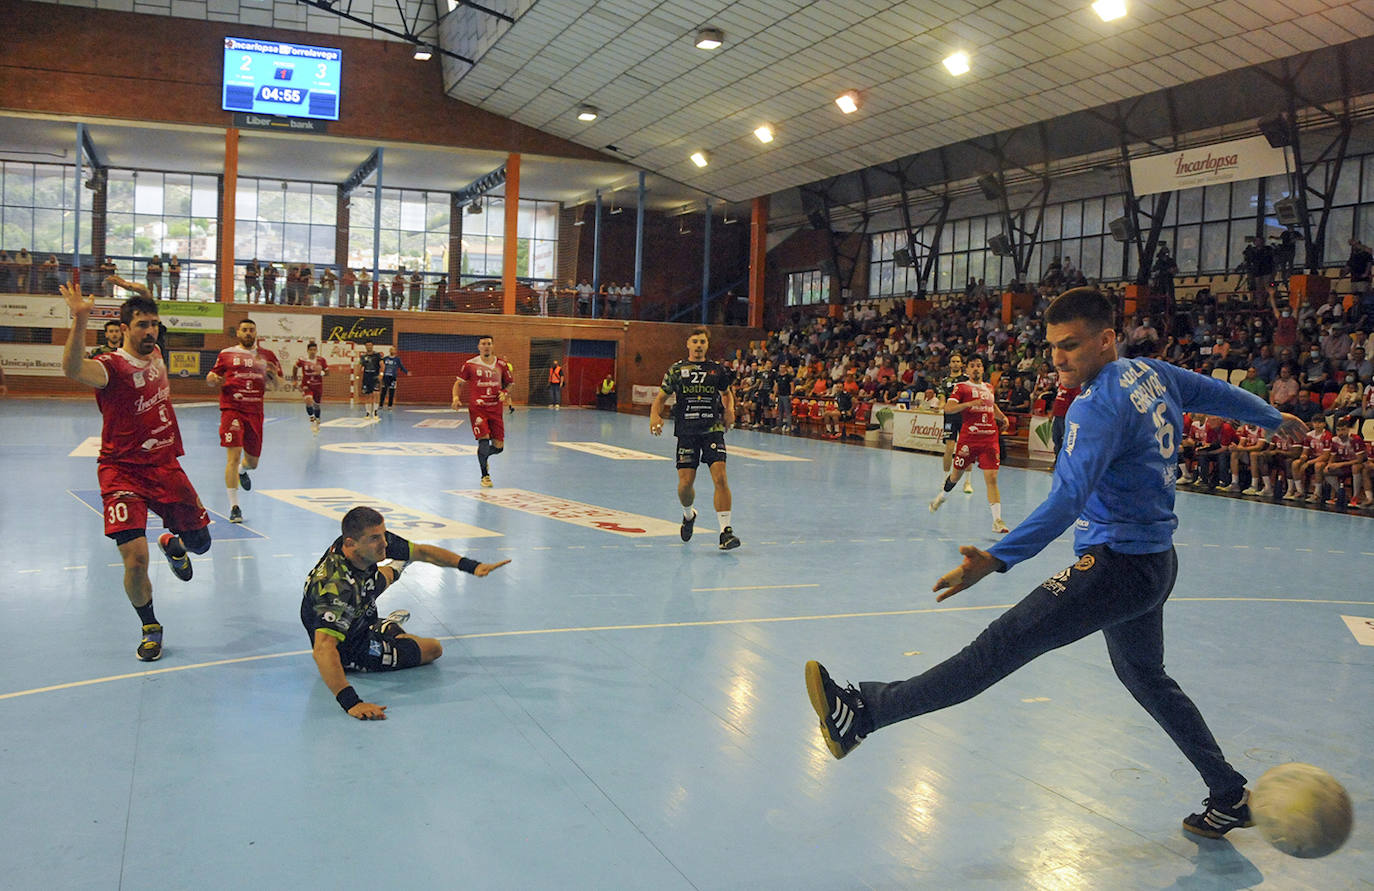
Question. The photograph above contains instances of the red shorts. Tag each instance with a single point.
(242, 431)
(985, 452)
(129, 490)
(315, 393)
(488, 421)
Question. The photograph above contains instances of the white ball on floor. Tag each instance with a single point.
(1302, 810)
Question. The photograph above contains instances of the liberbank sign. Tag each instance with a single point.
(1226, 162)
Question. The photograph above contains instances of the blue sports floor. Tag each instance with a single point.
(618, 710)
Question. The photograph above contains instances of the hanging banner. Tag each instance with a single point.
(31, 311)
(358, 329)
(36, 359)
(1241, 159)
(280, 324)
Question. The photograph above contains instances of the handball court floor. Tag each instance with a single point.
(619, 710)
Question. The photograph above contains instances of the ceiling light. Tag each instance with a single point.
(710, 38)
(699, 159)
(587, 112)
(764, 134)
(848, 102)
(422, 53)
(1110, 10)
(957, 63)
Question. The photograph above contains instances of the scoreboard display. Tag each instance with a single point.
(286, 79)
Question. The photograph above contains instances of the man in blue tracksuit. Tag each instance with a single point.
(391, 366)
(1114, 482)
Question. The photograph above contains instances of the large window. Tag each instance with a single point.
(810, 286)
(413, 234)
(536, 247)
(1205, 228)
(37, 212)
(285, 222)
(165, 215)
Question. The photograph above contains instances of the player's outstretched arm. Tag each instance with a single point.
(976, 565)
(423, 553)
(74, 364)
(326, 653)
(130, 286)
(1291, 425)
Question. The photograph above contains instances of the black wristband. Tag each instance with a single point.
(347, 697)
(467, 564)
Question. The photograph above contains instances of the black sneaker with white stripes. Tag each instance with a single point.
(1215, 820)
(844, 723)
(687, 526)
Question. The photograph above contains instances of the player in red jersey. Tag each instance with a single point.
(488, 380)
(311, 371)
(1345, 471)
(1316, 452)
(139, 446)
(240, 374)
(978, 441)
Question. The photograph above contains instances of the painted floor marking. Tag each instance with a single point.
(735, 451)
(759, 587)
(1362, 628)
(590, 516)
(402, 520)
(89, 448)
(402, 449)
(605, 450)
(700, 623)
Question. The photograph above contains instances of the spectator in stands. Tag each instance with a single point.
(366, 299)
(328, 280)
(108, 270)
(441, 295)
(1285, 252)
(50, 277)
(398, 288)
(303, 283)
(174, 275)
(584, 298)
(417, 284)
(1254, 383)
(1360, 267)
(1019, 399)
(1143, 339)
(1163, 272)
(269, 282)
(1347, 402)
(348, 283)
(1316, 372)
(252, 287)
(1306, 405)
(23, 271)
(1266, 364)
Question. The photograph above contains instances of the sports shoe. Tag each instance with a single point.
(315, 426)
(181, 566)
(486, 482)
(687, 526)
(1215, 821)
(728, 540)
(843, 720)
(935, 505)
(394, 621)
(1251, 491)
(1314, 497)
(1000, 527)
(244, 481)
(1291, 495)
(235, 515)
(968, 485)
(1234, 487)
(150, 647)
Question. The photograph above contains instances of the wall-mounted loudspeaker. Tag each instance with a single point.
(1121, 229)
(1000, 245)
(1275, 130)
(1286, 210)
(902, 257)
(992, 189)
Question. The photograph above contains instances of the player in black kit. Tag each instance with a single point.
(705, 410)
(953, 422)
(370, 364)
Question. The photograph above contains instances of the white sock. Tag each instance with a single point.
(233, 497)
(689, 512)
(724, 517)
(996, 512)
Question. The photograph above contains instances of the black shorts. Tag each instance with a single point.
(369, 383)
(952, 425)
(700, 448)
(386, 652)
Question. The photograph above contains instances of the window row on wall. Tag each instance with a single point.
(38, 209)
(807, 287)
(1205, 228)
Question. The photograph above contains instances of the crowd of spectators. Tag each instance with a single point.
(823, 375)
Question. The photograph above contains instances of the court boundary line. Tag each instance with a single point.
(699, 623)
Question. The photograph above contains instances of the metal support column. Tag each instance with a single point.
(706, 266)
(596, 253)
(377, 231)
(639, 242)
(80, 186)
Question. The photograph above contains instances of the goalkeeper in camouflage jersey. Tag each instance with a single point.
(705, 409)
(339, 609)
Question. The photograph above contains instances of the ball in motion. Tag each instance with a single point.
(1301, 810)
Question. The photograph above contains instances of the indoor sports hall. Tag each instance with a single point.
(619, 709)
